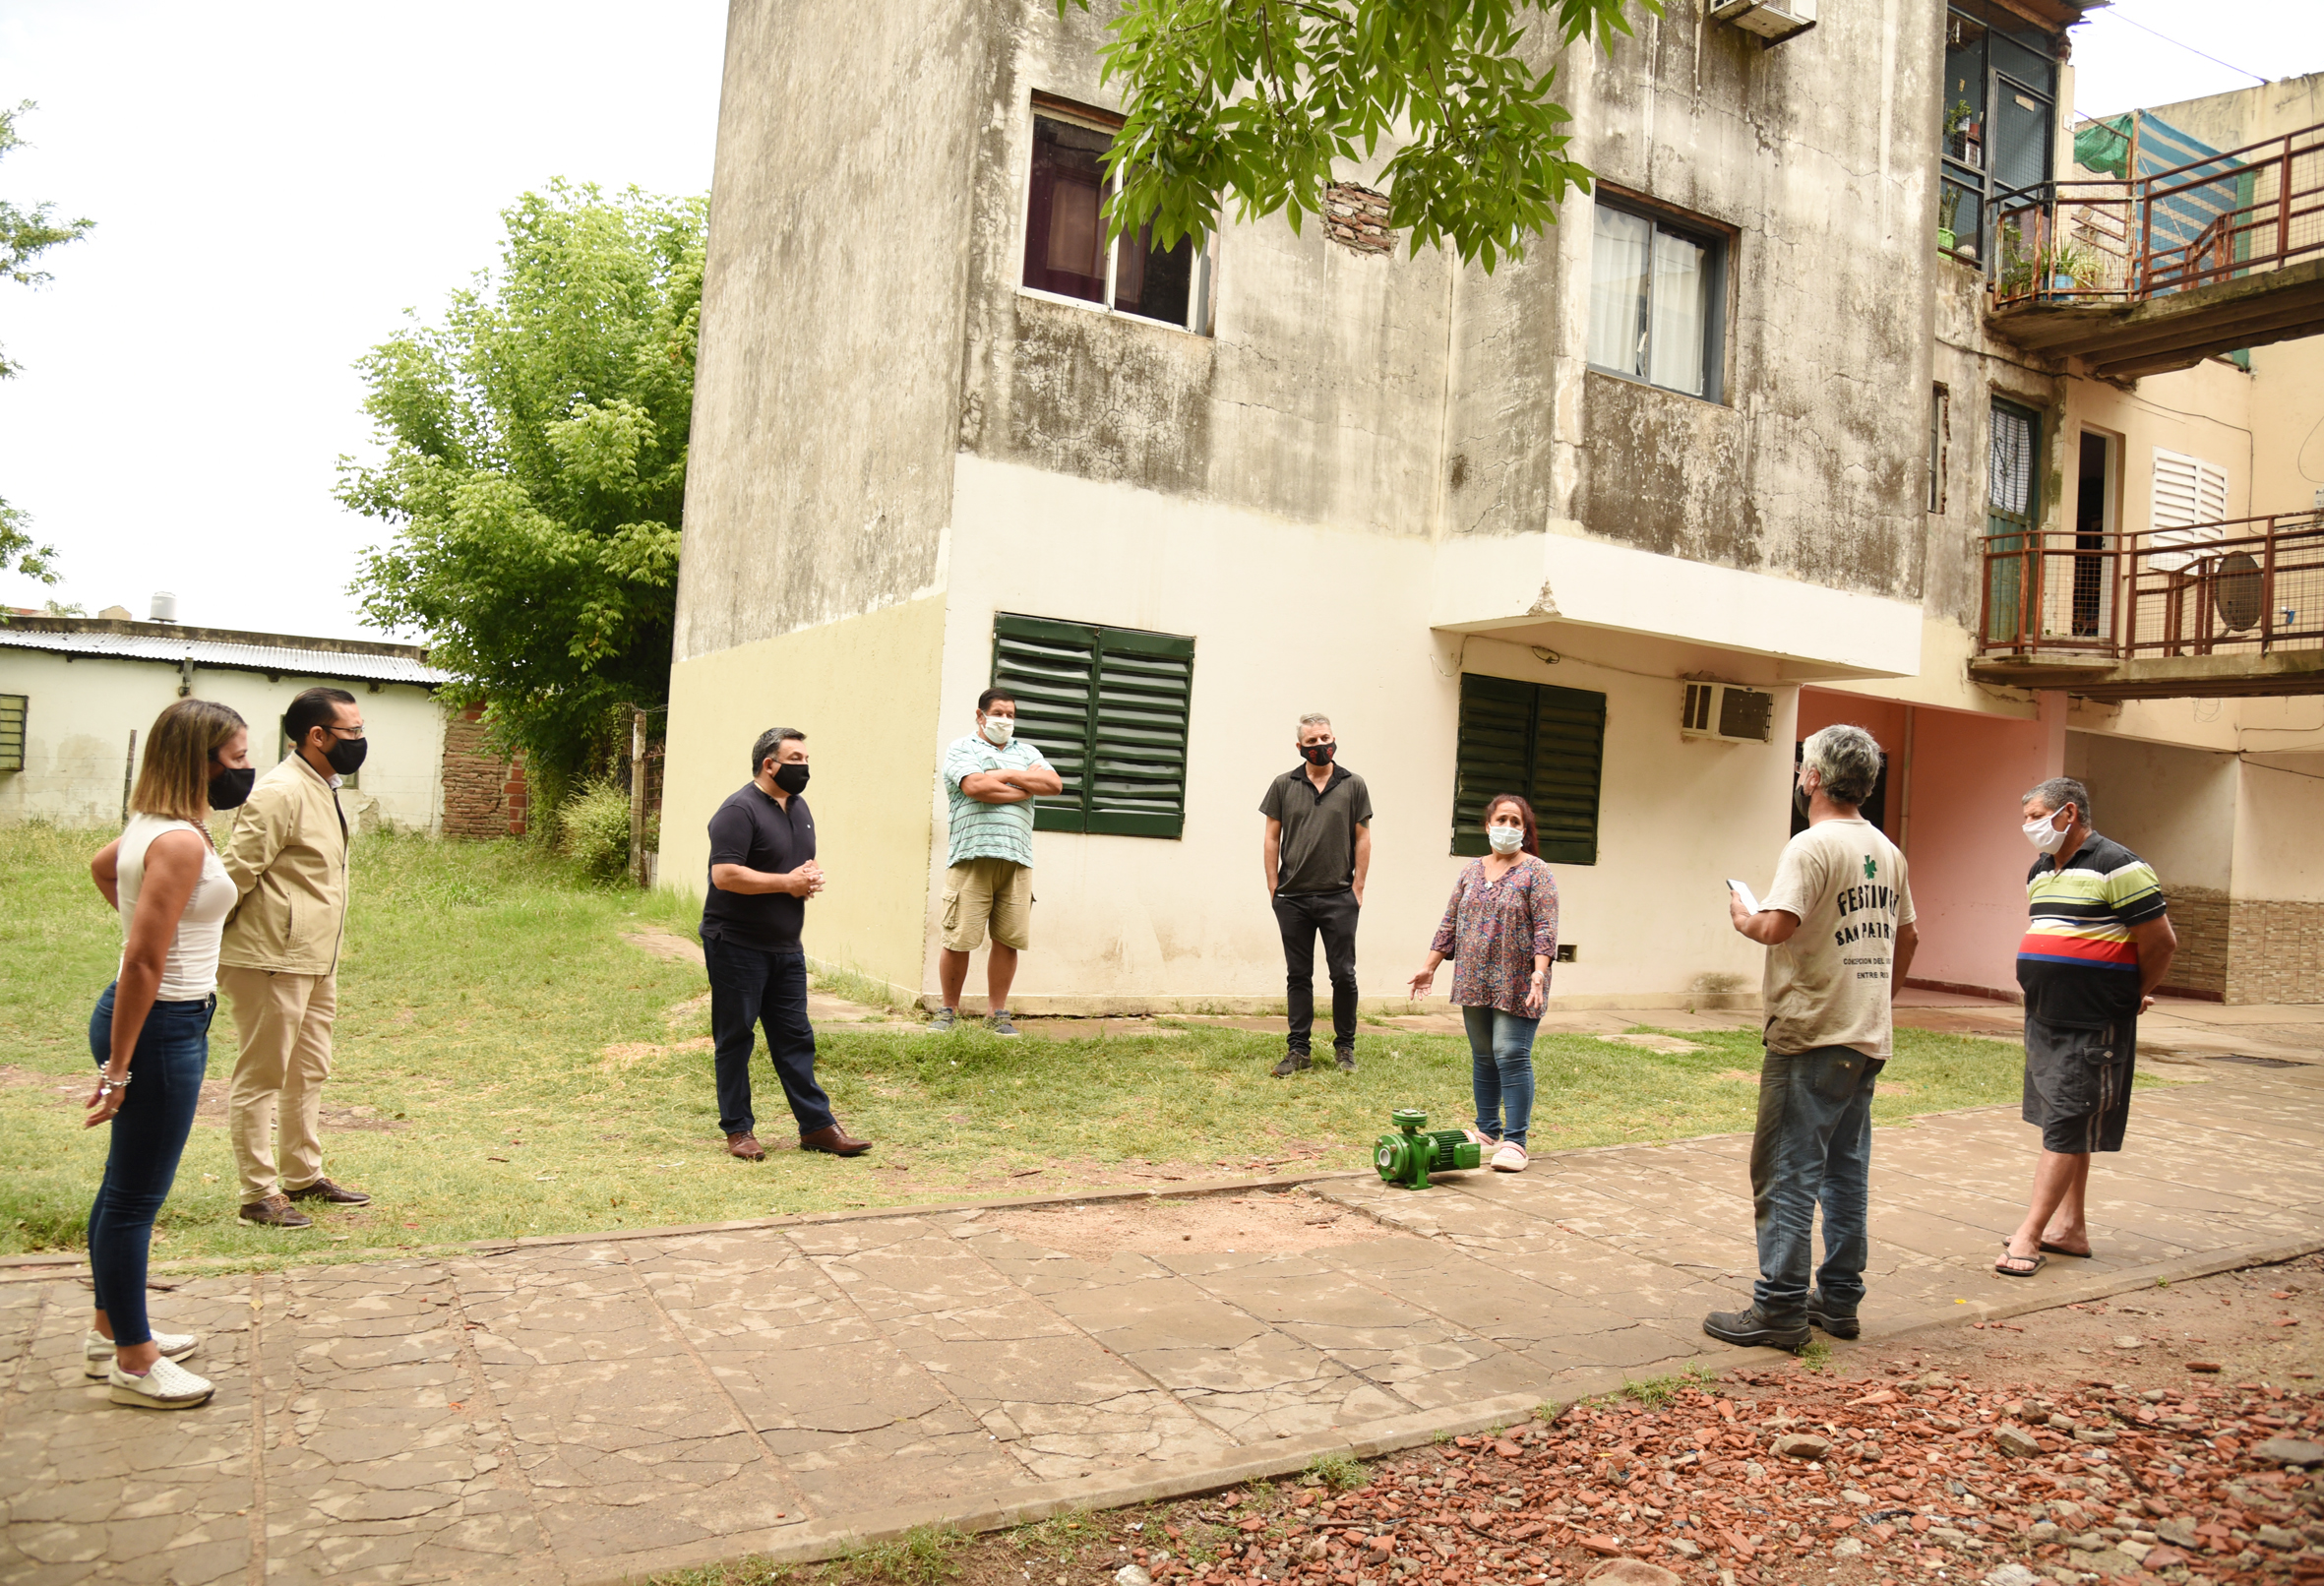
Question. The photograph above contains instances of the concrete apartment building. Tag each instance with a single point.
(1612, 526)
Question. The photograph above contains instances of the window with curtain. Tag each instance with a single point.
(1655, 300)
(1065, 249)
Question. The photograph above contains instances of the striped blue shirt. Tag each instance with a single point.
(983, 830)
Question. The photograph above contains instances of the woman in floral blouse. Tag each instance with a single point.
(1501, 931)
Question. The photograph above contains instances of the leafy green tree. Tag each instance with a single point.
(25, 235)
(1257, 103)
(534, 465)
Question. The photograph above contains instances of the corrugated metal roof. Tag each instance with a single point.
(272, 658)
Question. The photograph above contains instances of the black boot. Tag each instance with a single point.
(1752, 1328)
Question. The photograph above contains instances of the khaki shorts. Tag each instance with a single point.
(988, 893)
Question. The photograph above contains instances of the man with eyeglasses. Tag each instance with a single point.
(279, 959)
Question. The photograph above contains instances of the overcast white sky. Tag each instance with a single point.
(274, 183)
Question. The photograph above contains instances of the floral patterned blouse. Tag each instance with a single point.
(1492, 931)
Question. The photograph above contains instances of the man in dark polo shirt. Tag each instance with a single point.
(2098, 941)
(1317, 849)
(762, 872)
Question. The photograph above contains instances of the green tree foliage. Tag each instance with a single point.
(1259, 101)
(534, 465)
(25, 235)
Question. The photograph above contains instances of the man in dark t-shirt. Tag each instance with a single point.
(1316, 848)
(762, 872)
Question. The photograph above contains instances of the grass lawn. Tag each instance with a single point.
(507, 1065)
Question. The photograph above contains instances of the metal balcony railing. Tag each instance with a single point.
(2239, 213)
(2248, 586)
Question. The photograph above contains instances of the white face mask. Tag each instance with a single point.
(1504, 840)
(999, 730)
(2045, 837)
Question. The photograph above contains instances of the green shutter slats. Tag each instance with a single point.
(1542, 742)
(1109, 707)
(12, 731)
(1050, 665)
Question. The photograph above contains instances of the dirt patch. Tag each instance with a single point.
(626, 1055)
(663, 943)
(211, 1112)
(1668, 1045)
(1265, 1222)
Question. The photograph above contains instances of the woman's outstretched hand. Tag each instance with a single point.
(1422, 983)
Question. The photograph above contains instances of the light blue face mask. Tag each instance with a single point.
(1505, 839)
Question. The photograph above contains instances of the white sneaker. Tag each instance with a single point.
(1511, 1158)
(168, 1386)
(97, 1350)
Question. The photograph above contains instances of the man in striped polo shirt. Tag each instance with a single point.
(2096, 943)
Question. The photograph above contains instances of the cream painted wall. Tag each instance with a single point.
(1295, 617)
(864, 691)
(2280, 831)
(80, 712)
(2172, 806)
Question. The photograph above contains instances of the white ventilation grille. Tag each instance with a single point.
(2190, 499)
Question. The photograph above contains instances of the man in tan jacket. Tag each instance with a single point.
(278, 963)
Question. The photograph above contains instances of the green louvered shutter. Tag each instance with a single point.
(1052, 666)
(1495, 754)
(1569, 752)
(1138, 783)
(1109, 708)
(12, 732)
(1546, 743)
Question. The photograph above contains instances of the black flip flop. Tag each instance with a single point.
(2057, 1249)
(2007, 1271)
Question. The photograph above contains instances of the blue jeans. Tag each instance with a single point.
(148, 1135)
(1501, 1052)
(750, 987)
(1813, 1147)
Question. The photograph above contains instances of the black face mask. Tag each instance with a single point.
(229, 788)
(791, 779)
(347, 754)
(1800, 800)
(1318, 754)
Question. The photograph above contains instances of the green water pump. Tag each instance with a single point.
(1407, 1157)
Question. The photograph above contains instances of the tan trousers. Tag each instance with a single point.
(284, 1021)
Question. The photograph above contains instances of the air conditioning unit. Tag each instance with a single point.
(1774, 21)
(1729, 713)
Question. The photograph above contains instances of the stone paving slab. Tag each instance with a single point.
(581, 1410)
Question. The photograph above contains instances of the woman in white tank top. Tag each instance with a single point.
(150, 1032)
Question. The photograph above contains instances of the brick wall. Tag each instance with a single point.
(484, 795)
(2275, 952)
(2199, 917)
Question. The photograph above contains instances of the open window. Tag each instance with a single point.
(1066, 252)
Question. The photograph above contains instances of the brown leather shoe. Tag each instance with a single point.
(337, 1194)
(745, 1145)
(275, 1211)
(835, 1141)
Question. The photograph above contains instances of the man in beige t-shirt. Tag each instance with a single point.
(1838, 928)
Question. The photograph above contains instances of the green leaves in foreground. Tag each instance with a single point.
(1259, 101)
(535, 464)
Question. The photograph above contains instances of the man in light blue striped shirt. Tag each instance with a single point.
(992, 780)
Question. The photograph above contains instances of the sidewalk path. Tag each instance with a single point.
(580, 1411)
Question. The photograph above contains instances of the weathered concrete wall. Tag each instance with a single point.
(826, 392)
(1318, 398)
(1811, 466)
(2246, 115)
